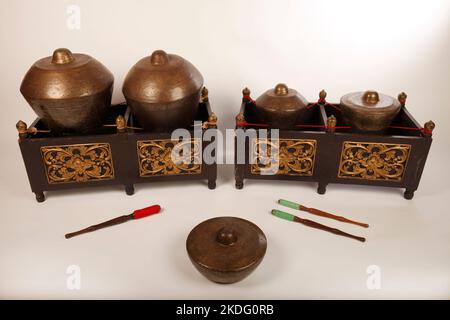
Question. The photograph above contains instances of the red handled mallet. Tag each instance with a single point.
(137, 214)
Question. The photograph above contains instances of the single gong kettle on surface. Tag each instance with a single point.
(70, 92)
(226, 249)
(163, 91)
(281, 107)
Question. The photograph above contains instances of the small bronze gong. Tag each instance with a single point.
(226, 249)
(281, 107)
(369, 110)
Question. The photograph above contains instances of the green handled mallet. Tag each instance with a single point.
(320, 213)
(313, 224)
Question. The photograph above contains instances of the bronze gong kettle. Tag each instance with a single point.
(163, 91)
(280, 107)
(369, 110)
(70, 92)
(226, 249)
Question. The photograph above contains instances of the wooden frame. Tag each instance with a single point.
(73, 156)
(405, 138)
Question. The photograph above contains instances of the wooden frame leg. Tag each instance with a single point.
(40, 196)
(129, 189)
(408, 194)
(322, 188)
(239, 176)
(239, 183)
(212, 184)
(212, 176)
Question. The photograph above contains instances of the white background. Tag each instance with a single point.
(341, 46)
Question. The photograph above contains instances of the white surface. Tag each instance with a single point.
(341, 46)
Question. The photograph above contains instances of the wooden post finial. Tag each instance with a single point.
(428, 128)
(331, 123)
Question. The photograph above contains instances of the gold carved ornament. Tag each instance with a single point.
(169, 157)
(373, 161)
(78, 162)
(295, 156)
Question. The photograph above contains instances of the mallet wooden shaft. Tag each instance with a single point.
(320, 213)
(316, 225)
(137, 214)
